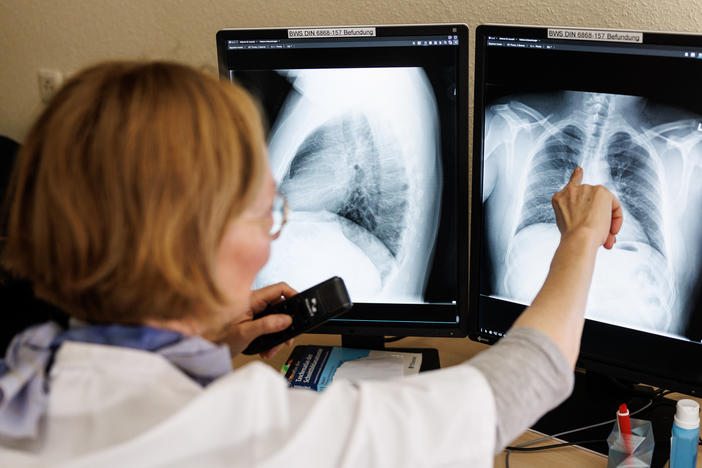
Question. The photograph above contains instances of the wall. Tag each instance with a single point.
(70, 34)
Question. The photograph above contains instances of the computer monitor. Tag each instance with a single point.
(626, 106)
(368, 141)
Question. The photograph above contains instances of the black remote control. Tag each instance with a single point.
(308, 309)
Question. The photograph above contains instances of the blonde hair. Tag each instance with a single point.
(125, 186)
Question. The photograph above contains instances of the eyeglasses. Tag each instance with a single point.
(280, 215)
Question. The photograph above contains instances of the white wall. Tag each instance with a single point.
(70, 34)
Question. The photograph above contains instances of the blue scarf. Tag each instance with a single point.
(24, 392)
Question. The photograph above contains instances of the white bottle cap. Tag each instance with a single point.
(687, 414)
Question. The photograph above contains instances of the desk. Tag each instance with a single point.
(454, 351)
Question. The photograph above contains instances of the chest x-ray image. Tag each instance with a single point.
(648, 154)
(356, 153)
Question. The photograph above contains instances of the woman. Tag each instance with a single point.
(141, 205)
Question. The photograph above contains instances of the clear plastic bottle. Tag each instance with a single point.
(686, 432)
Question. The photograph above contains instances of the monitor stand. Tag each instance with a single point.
(595, 399)
(430, 356)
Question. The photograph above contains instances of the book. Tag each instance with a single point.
(315, 367)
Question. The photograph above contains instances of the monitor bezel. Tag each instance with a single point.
(625, 353)
(367, 319)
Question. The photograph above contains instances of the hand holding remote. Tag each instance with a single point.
(308, 309)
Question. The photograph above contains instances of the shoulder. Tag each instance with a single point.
(112, 392)
(114, 363)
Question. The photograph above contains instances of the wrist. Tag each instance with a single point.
(584, 238)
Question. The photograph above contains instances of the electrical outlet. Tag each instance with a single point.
(49, 83)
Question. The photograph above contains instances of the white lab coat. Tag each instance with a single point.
(114, 406)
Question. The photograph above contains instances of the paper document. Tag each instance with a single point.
(315, 367)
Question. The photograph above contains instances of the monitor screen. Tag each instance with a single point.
(367, 140)
(626, 107)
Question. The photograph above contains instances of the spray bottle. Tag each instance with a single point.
(686, 432)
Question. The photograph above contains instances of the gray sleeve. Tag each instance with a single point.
(528, 375)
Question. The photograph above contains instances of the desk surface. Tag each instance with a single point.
(454, 351)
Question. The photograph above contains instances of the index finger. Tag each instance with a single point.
(576, 177)
(271, 295)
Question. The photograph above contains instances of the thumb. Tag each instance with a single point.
(265, 325)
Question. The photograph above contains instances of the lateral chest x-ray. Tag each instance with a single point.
(648, 154)
(356, 153)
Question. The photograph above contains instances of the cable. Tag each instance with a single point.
(553, 446)
(523, 447)
(390, 339)
(548, 447)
